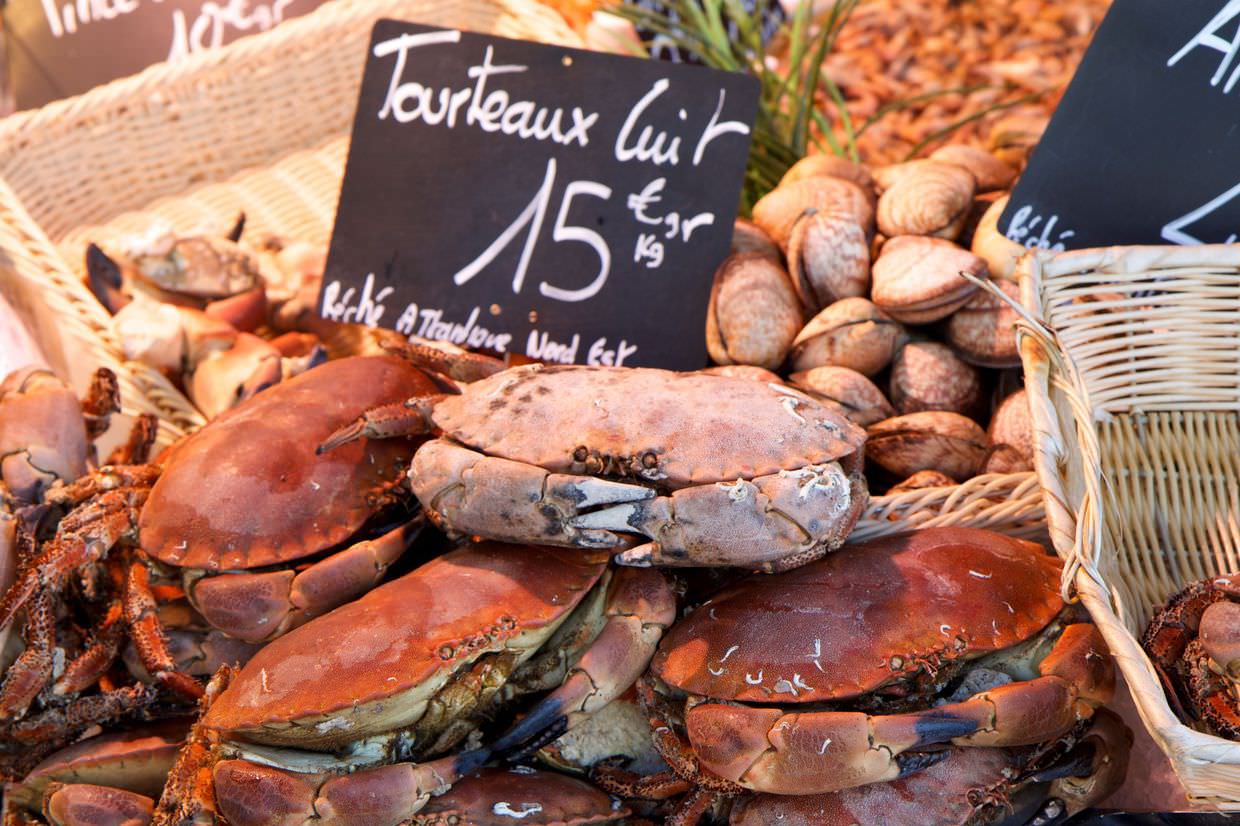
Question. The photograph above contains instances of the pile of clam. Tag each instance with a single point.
(852, 283)
(420, 588)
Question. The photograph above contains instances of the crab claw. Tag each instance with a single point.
(640, 607)
(103, 275)
(473, 494)
(83, 804)
(772, 523)
(227, 378)
(249, 794)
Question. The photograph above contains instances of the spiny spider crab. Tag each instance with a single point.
(119, 773)
(1034, 786)
(715, 470)
(232, 509)
(1194, 642)
(326, 717)
(46, 439)
(894, 649)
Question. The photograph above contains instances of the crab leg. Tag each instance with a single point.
(390, 421)
(774, 523)
(463, 366)
(249, 794)
(84, 537)
(469, 493)
(96, 658)
(147, 632)
(101, 401)
(105, 479)
(640, 607)
(259, 607)
(768, 750)
(84, 804)
(29, 674)
(137, 449)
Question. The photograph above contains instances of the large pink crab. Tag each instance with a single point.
(857, 668)
(234, 507)
(703, 469)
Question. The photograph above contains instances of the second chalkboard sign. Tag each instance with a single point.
(564, 205)
(1145, 145)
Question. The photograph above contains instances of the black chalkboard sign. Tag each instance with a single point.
(563, 205)
(1145, 146)
(58, 48)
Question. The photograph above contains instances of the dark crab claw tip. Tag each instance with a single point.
(468, 762)
(911, 762)
(932, 728)
(234, 234)
(348, 433)
(103, 276)
(1077, 763)
(545, 722)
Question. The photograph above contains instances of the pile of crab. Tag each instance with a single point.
(636, 604)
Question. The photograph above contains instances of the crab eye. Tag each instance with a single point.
(581, 454)
(650, 460)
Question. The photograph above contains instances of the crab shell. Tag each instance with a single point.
(866, 624)
(42, 433)
(850, 632)
(499, 797)
(400, 643)
(670, 430)
(713, 470)
(248, 489)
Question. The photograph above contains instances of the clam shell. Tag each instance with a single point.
(921, 480)
(831, 166)
(828, 259)
(998, 251)
(916, 280)
(744, 371)
(858, 397)
(983, 331)
(926, 375)
(989, 172)
(1011, 426)
(754, 314)
(749, 237)
(850, 333)
(779, 209)
(930, 198)
(952, 444)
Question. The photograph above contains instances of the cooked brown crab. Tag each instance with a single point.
(704, 469)
(1194, 641)
(858, 668)
(110, 778)
(337, 708)
(230, 510)
(1036, 786)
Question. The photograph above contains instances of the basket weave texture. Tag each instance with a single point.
(1132, 364)
(262, 126)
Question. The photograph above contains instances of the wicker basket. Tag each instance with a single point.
(87, 160)
(1133, 372)
(196, 142)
